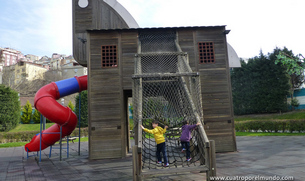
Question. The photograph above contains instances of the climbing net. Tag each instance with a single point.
(166, 89)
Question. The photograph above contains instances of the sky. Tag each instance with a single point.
(44, 27)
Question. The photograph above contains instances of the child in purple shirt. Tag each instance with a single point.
(185, 138)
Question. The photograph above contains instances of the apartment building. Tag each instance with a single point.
(32, 58)
(67, 67)
(10, 56)
(29, 71)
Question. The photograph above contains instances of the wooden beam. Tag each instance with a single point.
(174, 170)
(157, 75)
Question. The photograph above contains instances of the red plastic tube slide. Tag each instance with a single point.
(45, 102)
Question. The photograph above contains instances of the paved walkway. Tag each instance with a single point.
(265, 156)
(256, 156)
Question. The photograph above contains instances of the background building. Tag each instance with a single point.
(32, 58)
(10, 56)
(29, 71)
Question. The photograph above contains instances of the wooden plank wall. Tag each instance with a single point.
(106, 87)
(215, 85)
(104, 101)
(97, 15)
(107, 114)
(129, 49)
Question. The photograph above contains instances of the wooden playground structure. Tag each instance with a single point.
(192, 65)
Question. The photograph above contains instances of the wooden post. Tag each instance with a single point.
(135, 163)
(140, 99)
(211, 161)
(207, 154)
(139, 129)
(212, 158)
(139, 168)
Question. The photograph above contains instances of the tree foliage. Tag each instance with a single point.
(26, 113)
(83, 108)
(294, 66)
(36, 116)
(71, 106)
(259, 86)
(9, 108)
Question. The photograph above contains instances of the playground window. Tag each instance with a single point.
(206, 52)
(109, 56)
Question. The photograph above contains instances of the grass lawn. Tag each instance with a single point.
(16, 144)
(300, 114)
(29, 127)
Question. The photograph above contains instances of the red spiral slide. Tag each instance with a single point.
(45, 102)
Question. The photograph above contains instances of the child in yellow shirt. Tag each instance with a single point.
(160, 140)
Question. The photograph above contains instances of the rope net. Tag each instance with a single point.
(166, 89)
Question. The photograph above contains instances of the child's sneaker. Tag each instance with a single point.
(189, 159)
(166, 165)
(159, 162)
(183, 150)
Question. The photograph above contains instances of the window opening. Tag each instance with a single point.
(206, 52)
(109, 56)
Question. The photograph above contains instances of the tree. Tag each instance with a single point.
(259, 86)
(84, 108)
(26, 113)
(71, 106)
(294, 66)
(36, 116)
(8, 76)
(9, 108)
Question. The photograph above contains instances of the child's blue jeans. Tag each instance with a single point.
(161, 148)
(186, 145)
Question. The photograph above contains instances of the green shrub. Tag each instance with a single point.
(296, 125)
(26, 113)
(241, 126)
(270, 125)
(283, 125)
(9, 108)
(36, 117)
(254, 125)
(84, 108)
(131, 124)
(71, 106)
(276, 125)
(295, 103)
(17, 137)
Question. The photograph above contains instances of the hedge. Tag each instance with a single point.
(271, 126)
(241, 126)
(27, 136)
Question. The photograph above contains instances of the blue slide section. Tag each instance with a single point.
(67, 87)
